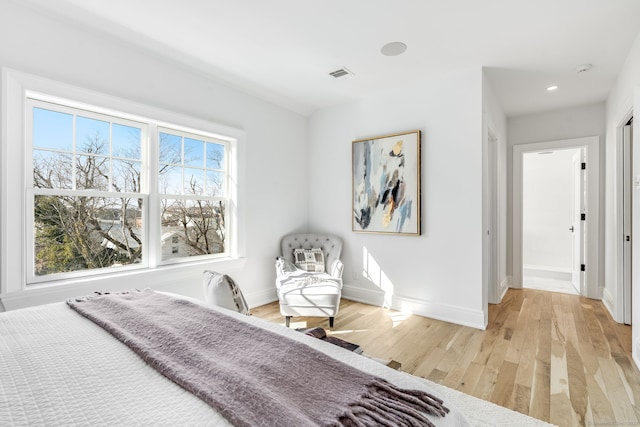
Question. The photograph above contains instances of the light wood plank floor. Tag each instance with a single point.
(557, 357)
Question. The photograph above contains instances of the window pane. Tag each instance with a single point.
(126, 176)
(215, 184)
(193, 152)
(170, 179)
(52, 170)
(92, 172)
(126, 141)
(85, 233)
(215, 156)
(201, 167)
(193, 181)
(191, 228)
(92, 136)
(170, 148)
(52, 129)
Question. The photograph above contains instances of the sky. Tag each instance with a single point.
(187, 165)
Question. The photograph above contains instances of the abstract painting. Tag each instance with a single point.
(386, 184)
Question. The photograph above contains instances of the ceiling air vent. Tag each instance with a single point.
(341, 72)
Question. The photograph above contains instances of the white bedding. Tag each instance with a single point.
(58, 368)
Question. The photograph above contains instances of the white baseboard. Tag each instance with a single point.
(261, 297)
(504, 287)
(363, 295)
(607, 300)
(350, 292)
(445, 312)
(546, 272)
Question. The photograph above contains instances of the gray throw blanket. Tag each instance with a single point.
(253, 377)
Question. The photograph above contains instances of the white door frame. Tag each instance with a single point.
(491, 232)
(591, 144)
(618, 308)
(577, 226)
(627, 212)
(635, 242)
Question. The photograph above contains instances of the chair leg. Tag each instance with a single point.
(331, 322)
(287, 320)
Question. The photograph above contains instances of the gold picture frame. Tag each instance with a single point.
(386, 184)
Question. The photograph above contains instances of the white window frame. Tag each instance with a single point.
(34, 101)
(15, 189)
(226, 199)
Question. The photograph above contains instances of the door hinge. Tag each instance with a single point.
(583, 166)
(583, 267)
(583, 217)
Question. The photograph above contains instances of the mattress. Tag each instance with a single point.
(58, 368)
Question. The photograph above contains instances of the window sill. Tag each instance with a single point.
(161, 277)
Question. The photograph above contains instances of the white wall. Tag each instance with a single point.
(624, 98)
(547, 211)
(577, 122)
(437, 274)
(272, 175)
(587, 120)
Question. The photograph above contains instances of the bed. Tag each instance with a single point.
(59, 368)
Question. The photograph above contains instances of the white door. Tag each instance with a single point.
(627, 188)
(577, 227)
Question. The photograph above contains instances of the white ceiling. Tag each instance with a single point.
(283, 50)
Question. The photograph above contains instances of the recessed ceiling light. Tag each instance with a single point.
(393, 49)
(552, 88)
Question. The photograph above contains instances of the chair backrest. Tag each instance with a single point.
(331, 246)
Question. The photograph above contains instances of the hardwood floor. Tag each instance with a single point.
(556, 357)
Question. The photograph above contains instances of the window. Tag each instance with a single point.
(191, 180)
(109, 191)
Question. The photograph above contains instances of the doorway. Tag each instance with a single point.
(553, 234)
(589, 268)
